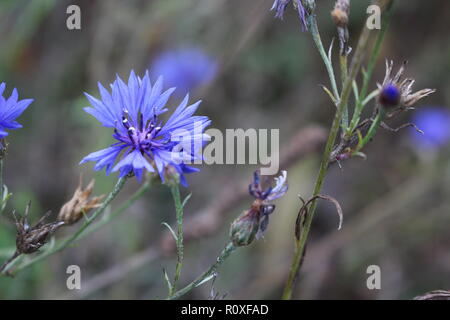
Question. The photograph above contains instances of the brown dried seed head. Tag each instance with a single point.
(411, 99)
(30, 239)
(341, 12)
(80, 204)
(340, 18)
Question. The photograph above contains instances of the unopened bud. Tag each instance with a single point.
(244, 229)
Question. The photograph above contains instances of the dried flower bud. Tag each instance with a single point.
(396, 91)
(340, 16)
(80, 204)
(30, 239)
(341, 12)
(244, 229)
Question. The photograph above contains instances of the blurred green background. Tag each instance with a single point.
(396, 203)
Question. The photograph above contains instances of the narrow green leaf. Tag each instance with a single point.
(211, 276)
(169, 285)
(355, 90)
(186, 200)
(171, 230)
(329, 94)
(370, 96)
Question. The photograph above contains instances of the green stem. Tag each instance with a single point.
(3, 196)
(180, 250)
(226, 252)
(301, 242)
(344, 75)
(1, 179)
(344, 71)
(78, 234)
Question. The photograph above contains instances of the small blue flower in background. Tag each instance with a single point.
(10, 109)
(144, 142)
(435, 123)
(185, 69)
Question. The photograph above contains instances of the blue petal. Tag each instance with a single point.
(136, 160)
(105, 157)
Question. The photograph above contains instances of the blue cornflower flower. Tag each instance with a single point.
(143, 141)
(186, 69)
(435, 123)
(280, 7)
(10, 109)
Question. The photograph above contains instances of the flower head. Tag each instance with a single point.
(435, 123)
(396, 91)
(80, 204)
(279, 6)
(144, 142)
(186, 68)
(10, 109)
(253, 222)
(30, 239)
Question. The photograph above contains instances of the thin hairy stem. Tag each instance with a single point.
(344, 75)
(180, 250)
(301, 241)
(208, 274)
(1, 179)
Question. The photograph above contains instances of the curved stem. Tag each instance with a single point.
(226, 252)
(78, 234)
